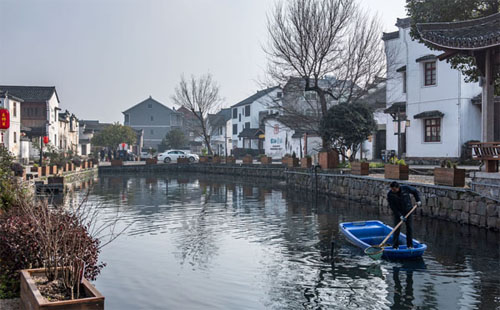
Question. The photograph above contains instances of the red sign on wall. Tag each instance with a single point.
(4, 119)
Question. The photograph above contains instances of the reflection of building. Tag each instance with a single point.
(434, 101)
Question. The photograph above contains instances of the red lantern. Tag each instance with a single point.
(123, 146)
(4, 119)
(46, 140)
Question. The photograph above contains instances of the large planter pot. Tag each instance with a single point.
(54, 169)
(266, 160)
(306, 162)
(449, 177)
(151, 161)
(32, 299)
(396, 172)
(230, 160)
(203, 159)
(328, 160)
(85, 164)
(292, 162)
(55, 180)
(358, 168)
(37, 170)
(183, 160)
(116, 162)
(284, 160)
(45, 170)
(247, 159)
(216, 160)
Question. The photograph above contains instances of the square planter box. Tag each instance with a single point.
(230, 160)
(358, 168)
(55, 180)
(85, 165)
(45, 170)
(292, 162)
(37, 170)
(328, 160)
(396, 172)
(53, 169)
(247, 159)
(151, 161)
(216, 160)
(449, 177)
(266, 160)
(183, 160)
(203, 159)
(284, 160)
(116, 162)
(306, 162)
(32, 299)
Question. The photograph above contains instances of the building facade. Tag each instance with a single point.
(246, 117)
(154, 118)
(431, 104)
(68, 132)
(11, 138)
(220, 132)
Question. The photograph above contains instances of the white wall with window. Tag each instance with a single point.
(439, 108)
(12, 136)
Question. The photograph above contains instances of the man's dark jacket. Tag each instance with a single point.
(400, 202)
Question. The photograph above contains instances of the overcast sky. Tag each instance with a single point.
(104, 56)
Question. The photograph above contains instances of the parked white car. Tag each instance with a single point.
(173, 155)
(146, 155)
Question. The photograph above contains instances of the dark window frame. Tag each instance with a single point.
(247, 110)
(432, 130)
(430, 73)
(235, 129)
(235, 113)
(247, 125)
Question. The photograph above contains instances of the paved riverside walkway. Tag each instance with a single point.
(10, 304)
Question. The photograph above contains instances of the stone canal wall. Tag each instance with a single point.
(453, 204)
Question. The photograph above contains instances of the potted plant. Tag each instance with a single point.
(397, 169)
(306, 162)
(360, 168)
(216, 159)
(292, 161)
(328, 159)
(247, 159)
(183, 160)
(284, 160)
(265, 160)
(151, 161)
(230, 160)
(449, 175)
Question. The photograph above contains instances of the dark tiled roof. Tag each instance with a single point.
(31, 93)
(390, 35)
(463, 35)
(426, 57)
(93, 125)
(429, 114)
(252, 133)
(219, 119)
(9, 95)
(257, 95)
(401, 69)
(403, 22)
(151, 100)
(394, 108)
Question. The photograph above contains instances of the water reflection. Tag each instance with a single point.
(216, 242)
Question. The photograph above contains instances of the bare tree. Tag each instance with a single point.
(201, 97)
(332, 46)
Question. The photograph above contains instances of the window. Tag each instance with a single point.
(247, 125)
(152, 118)
(430, 73)
(235, 113)
(152, 132)
(15, 111)
(432, 130)
(235, 129)
(127, 118)
(310, 95)
(404, 82)
(279, 94)
(239, 119)
(15, 136)
(150, 105)
(247, 110)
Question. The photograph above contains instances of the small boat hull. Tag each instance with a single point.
(369, 233)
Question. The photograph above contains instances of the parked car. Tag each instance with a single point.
(146, 155)
(172, 155)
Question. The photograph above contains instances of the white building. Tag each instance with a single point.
(68, 132)
(281, 140)
(11, 137)
(435, 103)
(220, 126)
(246, 116)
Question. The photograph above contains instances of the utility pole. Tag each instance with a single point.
(399, 131)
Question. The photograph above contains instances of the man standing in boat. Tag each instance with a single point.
(400, 202)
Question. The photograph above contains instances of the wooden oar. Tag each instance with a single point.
(376, 251)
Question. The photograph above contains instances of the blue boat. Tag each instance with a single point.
(369, 233)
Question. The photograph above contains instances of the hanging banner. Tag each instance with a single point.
(4, 119)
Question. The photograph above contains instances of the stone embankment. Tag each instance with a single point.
(459, 205)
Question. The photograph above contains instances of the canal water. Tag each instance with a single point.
(213, 242)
